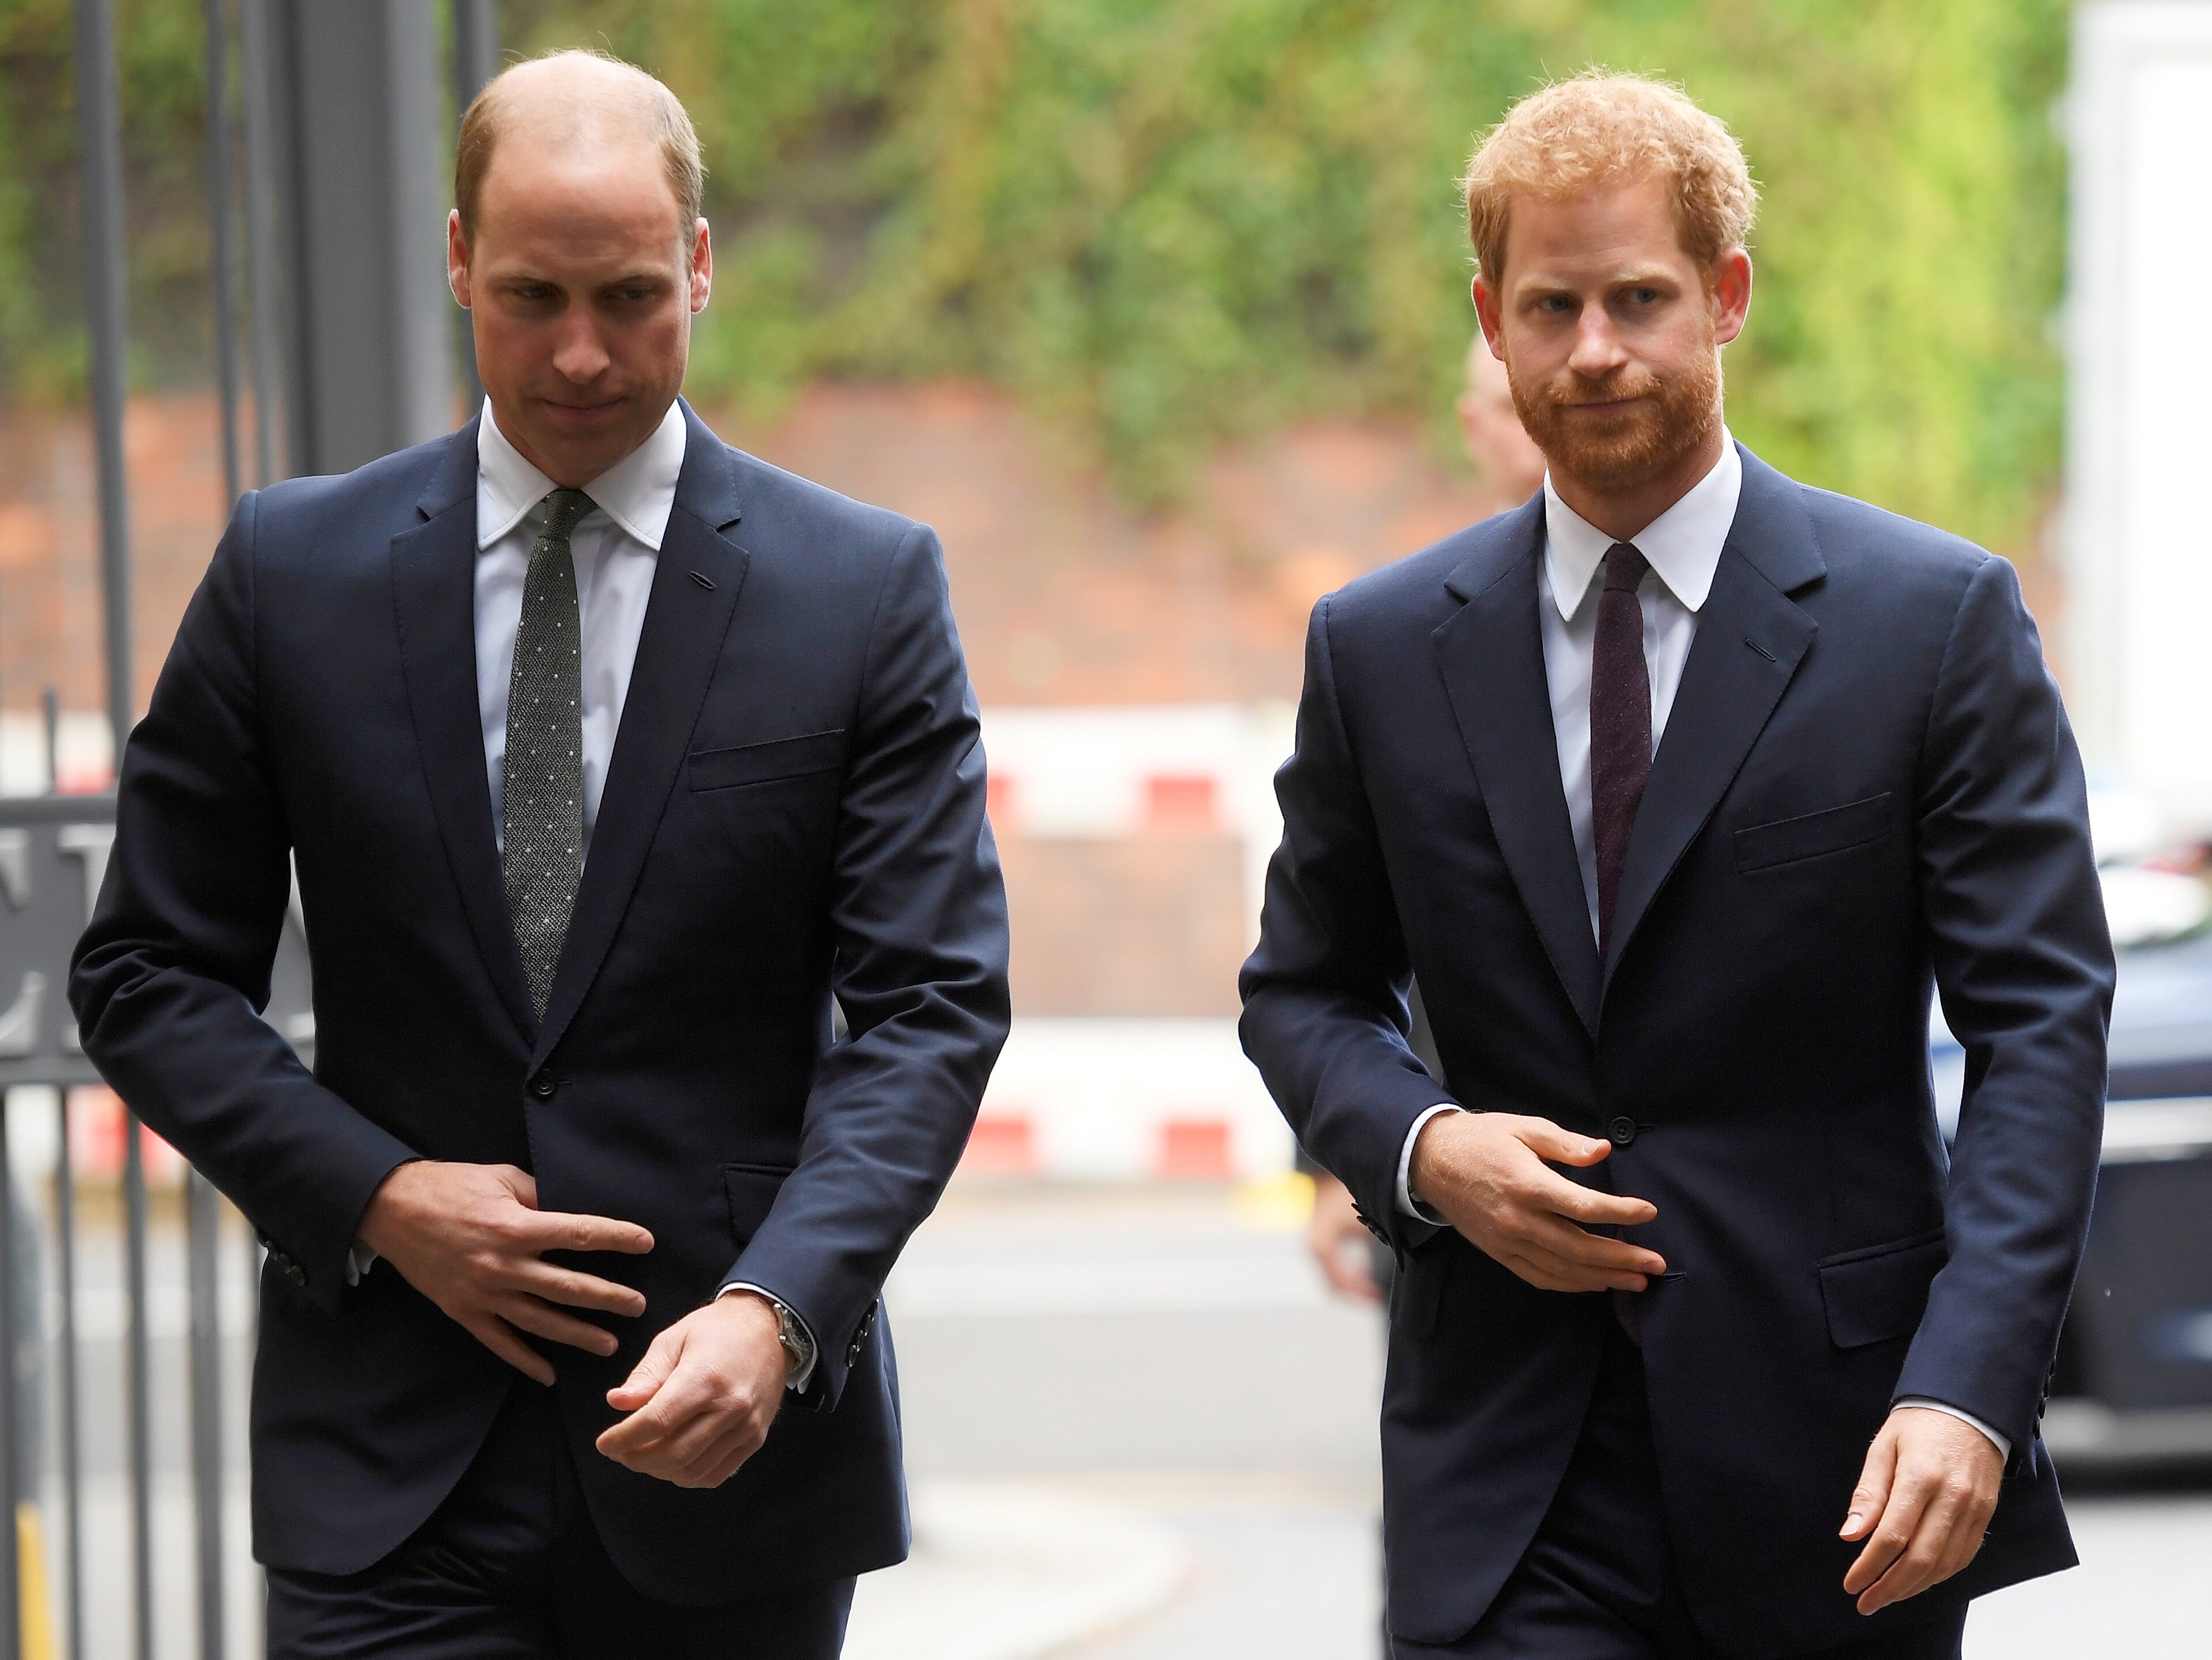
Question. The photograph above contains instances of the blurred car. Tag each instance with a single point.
(2133, 1383)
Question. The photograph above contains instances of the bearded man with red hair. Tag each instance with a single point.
(1680, 789)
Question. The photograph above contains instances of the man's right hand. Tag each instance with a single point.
(470, 1237)
(1485, 1171)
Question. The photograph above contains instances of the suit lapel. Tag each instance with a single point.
(1491, 656)
(686, 622)
(434, 595)
(1750, 639)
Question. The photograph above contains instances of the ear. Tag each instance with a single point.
(702, 265)
(1492, 317)
(457, 258)
(1730, 297)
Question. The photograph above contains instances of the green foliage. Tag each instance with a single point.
(160, 48)
(1174, 222)
(1170, 223)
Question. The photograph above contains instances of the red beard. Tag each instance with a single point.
(1667, 421)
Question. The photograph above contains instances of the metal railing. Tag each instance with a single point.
(53, 852)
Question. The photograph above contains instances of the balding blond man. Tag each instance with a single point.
(1677, 789)
(608, 756)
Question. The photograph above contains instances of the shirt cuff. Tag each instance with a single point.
(2003, 1444)
(359, 1261)
(802, 1364)
(1406, 1203)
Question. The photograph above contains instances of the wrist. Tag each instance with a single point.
(776, 1323)
(372, 1231)
(1421, 1164)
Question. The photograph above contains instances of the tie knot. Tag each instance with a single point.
(1623, 567)
(564, 508)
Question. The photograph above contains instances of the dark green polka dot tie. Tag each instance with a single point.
(543, 786)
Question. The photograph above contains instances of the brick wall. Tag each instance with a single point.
(1142, 924)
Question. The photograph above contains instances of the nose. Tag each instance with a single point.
(1598, 350)
(579, 356)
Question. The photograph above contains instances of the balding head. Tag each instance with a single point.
(568, 102)
(576, 244)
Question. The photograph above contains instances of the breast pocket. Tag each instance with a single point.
(806, 756)
(1879, 1292)
(1835, 830)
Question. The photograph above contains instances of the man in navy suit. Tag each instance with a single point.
(1678, 790)
(607, 756)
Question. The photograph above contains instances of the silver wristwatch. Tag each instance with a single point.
(790, 1331)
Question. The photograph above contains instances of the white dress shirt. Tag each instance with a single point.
(615, 548)
(1683, 546)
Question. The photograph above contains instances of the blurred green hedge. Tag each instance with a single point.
(1170, 223)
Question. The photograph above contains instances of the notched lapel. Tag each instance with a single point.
(433, 597)
(677, 649)
(1491, 653)
(1751, 638)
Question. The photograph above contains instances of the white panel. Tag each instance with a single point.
(2138, 539)
(2165, 578)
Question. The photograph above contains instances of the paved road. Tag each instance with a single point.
(1135, 1406)
(1159, 1353)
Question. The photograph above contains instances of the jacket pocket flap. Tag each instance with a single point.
(1881, 1292)
(762, 764)
(1787, 839)
(751, 1191)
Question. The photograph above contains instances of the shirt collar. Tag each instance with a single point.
(1683, 544)
(638, 492)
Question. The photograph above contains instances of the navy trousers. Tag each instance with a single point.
(1597, 1582)
(510, 1568)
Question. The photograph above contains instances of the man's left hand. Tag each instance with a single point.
(1923, 1503)
(702, 1400)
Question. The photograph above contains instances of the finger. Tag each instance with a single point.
(1595, 1251)
(1915, 1570)
(1873, 1490)
(735, 1461)
(1968, 1529)
(1891, 1536)
(692, 1442)
(1548, 1273)
(1571, 1199)
(1348, 1277)
(579, 1291)
(528, 1314)
(520, 1183)
(553, 1229)
(1547, 1140)
(651, 1371)
(682, 1396)
(495, 1335)
(727, 1449)
(1555, 1273)
(721, 1461)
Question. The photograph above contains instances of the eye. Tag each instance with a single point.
(1644, 296)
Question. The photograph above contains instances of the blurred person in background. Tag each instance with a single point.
(1511, 470)
(1676, 789)
(608, 755)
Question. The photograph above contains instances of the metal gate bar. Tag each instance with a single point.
(72, 1471)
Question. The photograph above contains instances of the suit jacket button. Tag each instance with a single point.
(1621, 1131)
(543, 1085)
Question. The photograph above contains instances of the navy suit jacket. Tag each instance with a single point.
(794, 809)
(1867, 785)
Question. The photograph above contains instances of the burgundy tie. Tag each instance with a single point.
(1620, 725)
(1620, 760)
